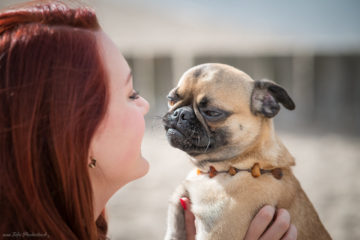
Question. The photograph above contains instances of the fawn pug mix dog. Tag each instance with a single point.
(222, 118)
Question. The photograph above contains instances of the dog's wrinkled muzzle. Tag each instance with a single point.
(184, 130)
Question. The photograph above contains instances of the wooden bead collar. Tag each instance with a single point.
(255, 171)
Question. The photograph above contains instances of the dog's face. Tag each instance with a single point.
(216, 111)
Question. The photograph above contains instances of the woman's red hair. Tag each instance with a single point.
(53, 95)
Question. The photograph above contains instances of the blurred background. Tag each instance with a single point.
(312, 48)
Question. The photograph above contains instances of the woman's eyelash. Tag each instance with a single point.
(135, 95)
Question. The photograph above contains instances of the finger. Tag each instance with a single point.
(189, 220)
(260, 222)
(291, 234)
(279, 227)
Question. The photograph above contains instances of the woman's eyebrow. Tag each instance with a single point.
(128, 78)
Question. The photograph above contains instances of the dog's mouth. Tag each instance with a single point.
(173, 132)
(193, 143)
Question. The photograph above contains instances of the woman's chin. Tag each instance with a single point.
(147, 165)
(144, 167)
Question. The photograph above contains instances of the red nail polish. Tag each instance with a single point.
(183, 204)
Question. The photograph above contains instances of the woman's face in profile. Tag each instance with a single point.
(116, 144)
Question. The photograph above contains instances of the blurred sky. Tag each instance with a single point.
(329, 22)
(229, 26)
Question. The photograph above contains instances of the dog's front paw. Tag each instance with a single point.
(179, 235)
(176, 218)
(176, 223)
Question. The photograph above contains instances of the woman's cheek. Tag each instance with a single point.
(134, 126)
(131, 133)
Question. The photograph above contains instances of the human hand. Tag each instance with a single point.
(260, 227)
(265, 228)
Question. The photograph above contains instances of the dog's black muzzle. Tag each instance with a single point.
(183, 119)
(184, 130)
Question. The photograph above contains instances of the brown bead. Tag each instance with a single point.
(255, 170)
(212, 172)
(277, 173)
(232, 171)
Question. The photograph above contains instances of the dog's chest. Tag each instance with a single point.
(213, 198)
(226, 204)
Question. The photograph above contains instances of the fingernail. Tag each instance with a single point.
(183, 204)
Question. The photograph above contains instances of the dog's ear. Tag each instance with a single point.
(266, 97)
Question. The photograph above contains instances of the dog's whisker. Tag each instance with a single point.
(156, 117)
(208, 145)
(192, 133)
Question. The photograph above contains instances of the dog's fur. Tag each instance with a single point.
(221, 117)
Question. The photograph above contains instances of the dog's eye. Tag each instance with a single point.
(172, 100)
(171, 103)
(212, 113)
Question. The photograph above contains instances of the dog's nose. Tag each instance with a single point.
(181, 115)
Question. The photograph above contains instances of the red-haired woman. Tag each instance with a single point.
(71, 126)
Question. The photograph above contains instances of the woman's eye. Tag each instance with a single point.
(135, 95)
